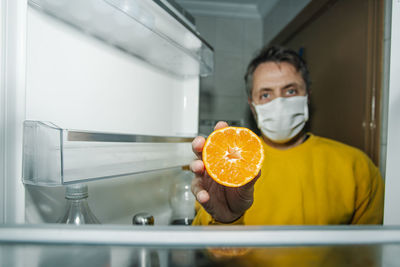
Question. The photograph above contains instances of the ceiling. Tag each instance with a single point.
(229, 8)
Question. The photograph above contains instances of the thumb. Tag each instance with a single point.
(246, 191)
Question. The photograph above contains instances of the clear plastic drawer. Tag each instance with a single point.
(54, 156)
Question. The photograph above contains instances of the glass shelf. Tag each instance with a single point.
(111, 245)
(53, 156)
(145, 29)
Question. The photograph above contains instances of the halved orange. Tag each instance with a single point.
(226, 252)
(233, 156)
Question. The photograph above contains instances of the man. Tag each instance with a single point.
(305, 179)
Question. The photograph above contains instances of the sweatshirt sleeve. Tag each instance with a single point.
(370, 196)
(203, 218)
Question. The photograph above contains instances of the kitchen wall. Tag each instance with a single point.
(235, 41)
(280, 16)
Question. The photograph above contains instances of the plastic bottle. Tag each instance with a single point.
(181, 199)
(182, 203)
(78, 211)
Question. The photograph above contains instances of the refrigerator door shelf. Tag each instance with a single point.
(141, 28)
(53, 156)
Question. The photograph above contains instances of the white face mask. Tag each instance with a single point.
(283, 118)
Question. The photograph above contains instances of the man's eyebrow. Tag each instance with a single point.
(290, 85)
(266, 89)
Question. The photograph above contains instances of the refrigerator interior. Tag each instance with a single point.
(63, 67)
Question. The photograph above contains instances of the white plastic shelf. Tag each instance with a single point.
(53, 156)
(141, 28)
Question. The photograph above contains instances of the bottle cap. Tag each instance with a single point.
(76, 191)
(186, 168)
(143, 218)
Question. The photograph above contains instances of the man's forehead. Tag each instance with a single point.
(276, 73)
(275, 67)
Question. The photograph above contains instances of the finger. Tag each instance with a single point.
(197, 167)
(198, 142)
(197, 145)
(198, 191)
(220, 125)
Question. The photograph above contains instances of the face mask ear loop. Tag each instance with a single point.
(255, 113)
(306, 109)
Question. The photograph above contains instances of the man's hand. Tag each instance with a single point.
(224, 204)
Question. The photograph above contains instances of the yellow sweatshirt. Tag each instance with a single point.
(318, 182)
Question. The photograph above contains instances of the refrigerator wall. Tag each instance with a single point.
(113, 201)
(76, 81)
(13, 22)
(59, 71)
(392, 197)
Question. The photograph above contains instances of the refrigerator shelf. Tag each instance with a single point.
(53, 156)
(146, 29)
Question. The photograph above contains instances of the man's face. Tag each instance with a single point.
(272, 80)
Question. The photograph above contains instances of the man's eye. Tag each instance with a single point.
(291, 92)
(265, 95)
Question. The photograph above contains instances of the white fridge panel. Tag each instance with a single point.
(392, 180)
(78, 82)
